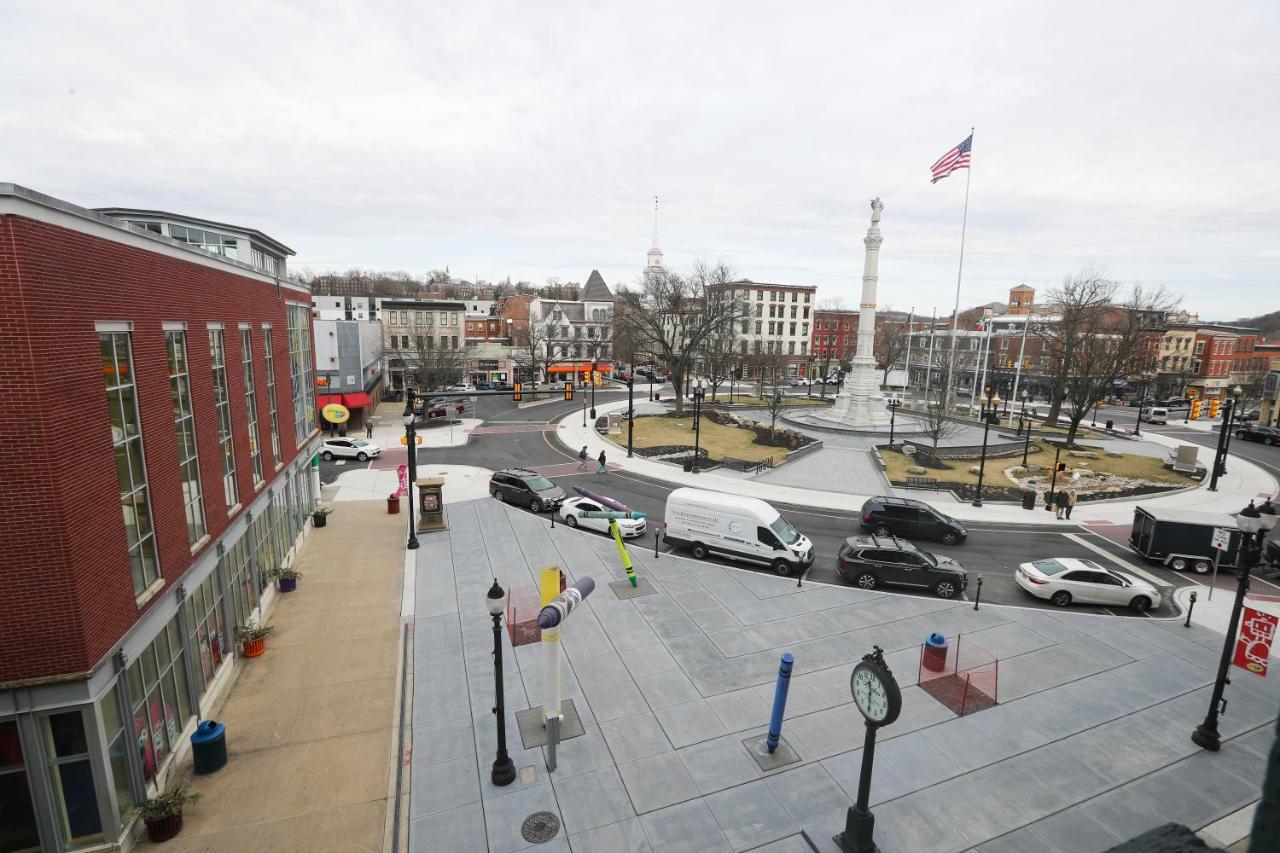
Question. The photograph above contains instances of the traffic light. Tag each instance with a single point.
(595, 377)
(515, 392)
(568, 390)
(1195, 410)
(1062, 466)
(1214, 406)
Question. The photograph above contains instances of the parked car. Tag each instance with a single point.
(1251, 415)
(910, 518)
(465, 387)
(871, 561)
(736, 527)
(1267, 435)
(1066, 580)
(1175, 403)
(571, 511)
(438, 408)
(484, 386)
(798, 381)
(1182, 539)
(1154, 414)
(349, 448)
(523, 487)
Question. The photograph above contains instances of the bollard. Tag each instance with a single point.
(553, 518)
(780, 701)
(977, 596)
(622, 551)
(655, 544)
(556, 608)
(1190, 607)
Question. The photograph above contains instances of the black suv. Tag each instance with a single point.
(904, 517)
(523, 487)
(869, 561)
(1267, 435)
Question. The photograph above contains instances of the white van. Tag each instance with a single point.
(745, 529)
(1154, 415)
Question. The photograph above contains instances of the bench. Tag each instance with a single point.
(922, 483)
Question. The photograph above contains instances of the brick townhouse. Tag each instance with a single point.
(159, 386)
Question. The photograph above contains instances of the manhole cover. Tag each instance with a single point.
(539, 827)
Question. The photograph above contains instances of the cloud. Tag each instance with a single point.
(528, 139)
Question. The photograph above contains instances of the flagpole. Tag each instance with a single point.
(955, 315)
(928, 370)
(906, 392)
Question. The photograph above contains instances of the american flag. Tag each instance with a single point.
(956, 158)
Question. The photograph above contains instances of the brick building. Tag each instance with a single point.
(177, 378)
(776, 319)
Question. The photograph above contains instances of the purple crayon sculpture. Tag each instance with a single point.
(603, 500)
(564, 603)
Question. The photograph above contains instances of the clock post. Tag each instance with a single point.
(876, 693)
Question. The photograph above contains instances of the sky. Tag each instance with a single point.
(529, 139)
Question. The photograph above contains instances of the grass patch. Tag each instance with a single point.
(957, 471)
(719, 441)
(763, 403)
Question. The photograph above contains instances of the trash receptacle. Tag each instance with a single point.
(209, 747)
(1111, 424)
(688, 465)
(935, 652)
(393, 503)
(1028, 500)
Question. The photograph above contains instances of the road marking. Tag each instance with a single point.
(1124, 564)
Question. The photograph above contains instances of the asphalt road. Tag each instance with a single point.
(992, 550)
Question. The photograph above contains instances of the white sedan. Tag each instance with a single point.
(571, 511)
(349, 448)
(1063, 580)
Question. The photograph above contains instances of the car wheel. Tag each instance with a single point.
(781, 567)
(1140, 604)
(945, 589)
(362, 457)
(1268, 441)
(327, 456)
(699, 551)
(1178, 564)
(1201, 567)
(571, 520)
(1061, 598)
(950, 538)
(498, 494)
(881, 530)
(1240, 433)
(535, 505)
(866, 580)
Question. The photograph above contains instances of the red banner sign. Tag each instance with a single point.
(1257, 630)
(403, 471)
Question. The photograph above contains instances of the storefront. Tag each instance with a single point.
(490, 370)
(76, 756)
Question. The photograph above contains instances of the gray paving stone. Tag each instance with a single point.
(442, 742)
(1020, 841)
(592, 800)
(614, 701)
(504, 815)
(904, 825)
(667, 689)
(718, 764)
(657, 781)
(740, 710)
(461, 829)
(645, 661)
(715, 619)
(825, 733)
(801, 698)
(690, 722)
(637, 736)
(444, 786)
(1073, 829)
(627, 835)
(750, 815)
(685, 828)
(739, 641)
(1007, 640)
(790, 844)
(809, 794)
(599, 670)
(583, 754)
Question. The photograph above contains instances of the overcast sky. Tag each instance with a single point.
(528, 139)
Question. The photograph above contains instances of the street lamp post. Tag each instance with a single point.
(893, 414)
(631, 414)
(1254, 523)
(504, 769)
(1236, 417)
(697, 422)
(1137, 426)
(1026, 441)
(594, 372)
(1053, 483)
(1220, 457)
(982, 464)
(411, 444)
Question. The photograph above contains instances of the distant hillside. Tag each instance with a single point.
(1268, 323)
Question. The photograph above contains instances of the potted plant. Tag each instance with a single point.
(253, 638)
(320, 515)
(286, 578)
(163, 814)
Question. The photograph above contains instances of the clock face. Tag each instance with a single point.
(876, 694)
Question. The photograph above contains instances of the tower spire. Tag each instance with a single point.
(654, 263)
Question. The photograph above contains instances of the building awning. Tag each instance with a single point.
(358, 400)
(578, 367)
(323, 400)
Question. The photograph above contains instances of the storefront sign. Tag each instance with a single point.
(403, 472)
(486, 364)
(1257, 629)
(336, 413)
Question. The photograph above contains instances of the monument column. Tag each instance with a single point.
(862, 385)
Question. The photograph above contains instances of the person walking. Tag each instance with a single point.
(582, 458)
(368, 429)
(1059, 504)
(1071, 502)
(604, 467)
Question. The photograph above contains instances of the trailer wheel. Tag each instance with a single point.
(1202, 567)
(1178, 564)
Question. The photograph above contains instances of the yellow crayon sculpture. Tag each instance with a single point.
(622, 550)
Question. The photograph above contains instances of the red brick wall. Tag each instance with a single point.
(66, 592)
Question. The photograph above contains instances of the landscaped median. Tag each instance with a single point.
(722, 436)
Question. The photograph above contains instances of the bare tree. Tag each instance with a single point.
(1251, 382)
(720, 355)
(940, 398)
(429, 363)
(891, 345)
(774, 406)
(529, 350)
(672, 316)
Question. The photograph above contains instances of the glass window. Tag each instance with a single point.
(222, 405)
(444, 318)
(208, 632)
(71, 778)
(251, 403)
(238, 568)
(135, 497)
(273, 420)
(301, 365)
(161, 709)
(17, 815)
(184, 425)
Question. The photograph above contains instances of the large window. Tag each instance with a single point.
(300, 370)
(161, 703)
(208, 629)
(251, 403)
(209, 241)
(240, 577)
(75, 797)
(222, 404)
(184, 425)
(263, 546)
(269, 362)
(117, 744)
(17, 816)
(131, 471)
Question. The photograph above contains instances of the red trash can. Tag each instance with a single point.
(393, 503)
(935, 653)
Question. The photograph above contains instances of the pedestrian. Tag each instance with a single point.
(582, 458)
(604, 467)
(1071, 502)
(1059, 504)
(368, 429)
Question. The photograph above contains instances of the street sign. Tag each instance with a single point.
(1253, 647)
(1221, 538)
(403, 472)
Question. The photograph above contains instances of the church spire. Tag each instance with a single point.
(655, 254)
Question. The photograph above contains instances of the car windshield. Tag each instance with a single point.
(784, 530)
(1049, 567)
(359, 442)
(928, 558)
(540, 484)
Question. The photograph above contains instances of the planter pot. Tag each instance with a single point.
(319, 520)
(254, 648)
(288, 584)
(164, 828)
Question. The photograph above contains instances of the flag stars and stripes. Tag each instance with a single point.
(956, 158)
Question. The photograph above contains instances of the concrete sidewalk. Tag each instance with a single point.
(1244, 481)
(309, 724)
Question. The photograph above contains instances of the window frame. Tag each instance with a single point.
(185, 431)
(222, 410)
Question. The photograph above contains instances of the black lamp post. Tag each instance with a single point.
(987, 417)
(1026, 441)
(1254, 523)
(631, 413)
(1220, 457)
(1137, 427)
(504, 769)
(411, 443)
(697, 422)
(1236, 417)
(893, 416)
(594, 373)
(1053, 483)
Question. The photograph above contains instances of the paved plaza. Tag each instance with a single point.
(1089, 744)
